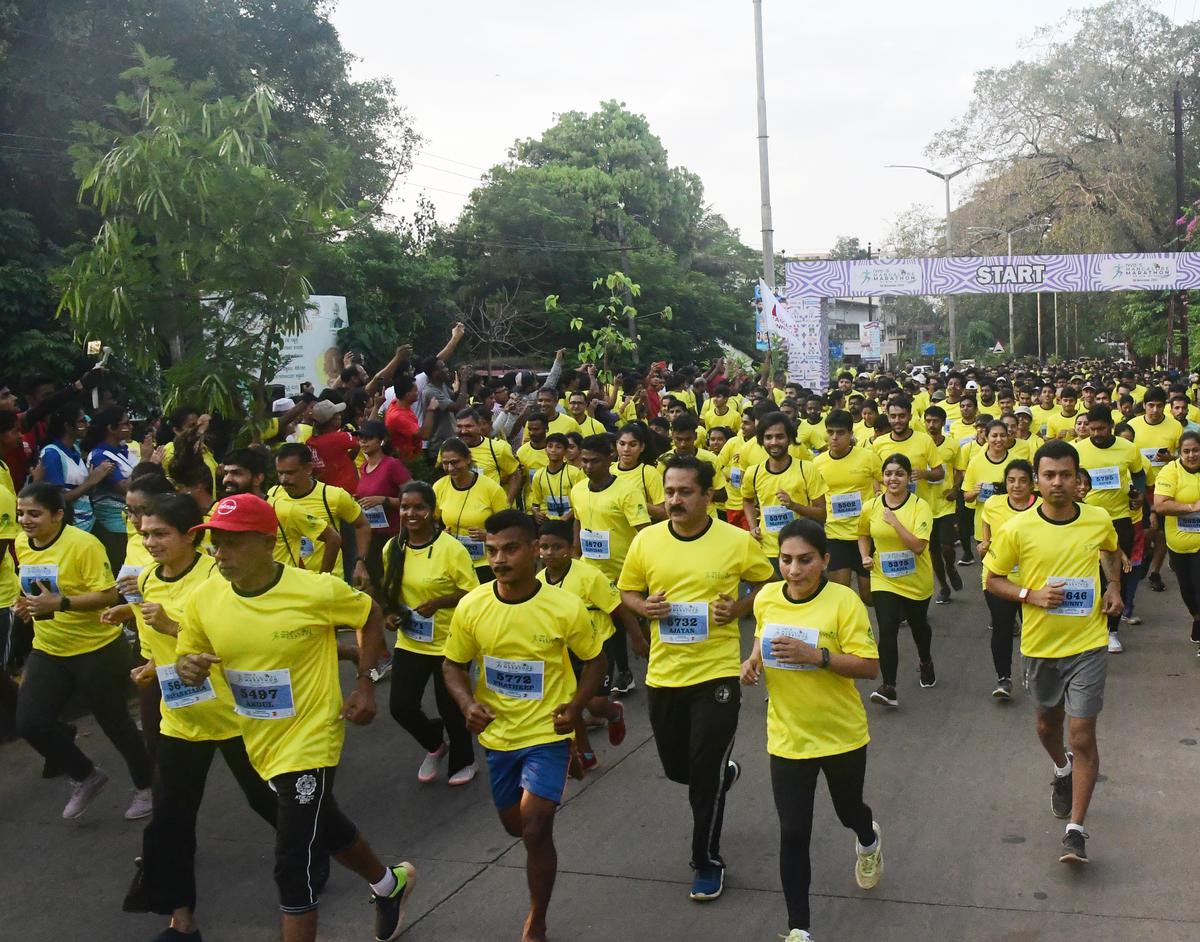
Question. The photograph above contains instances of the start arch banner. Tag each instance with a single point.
(996, 274)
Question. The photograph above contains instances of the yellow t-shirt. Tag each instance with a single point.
(328, 504)
(298, 536)
(608, 519)
(953, 411)
(1041, 420)
(693, 573)
(1042, 550)
(494, 458)
(987, 477)
(531, 460)
(646, 478)
(934, 492)
(996, 512)
(898, 569)
(813, 713)
(461, 509)
(920, 450)
(801, 481)
(708, 457)
(195, 714)
(1061, 426)
(72, 563)
(731, 418)
(10, 587)
(961, 432)
(592, 587)
(550, 491)
(278, 650)
(852, 475)
(1111, 470)
(1150, 438)
(1023, 448)
(6, 480)
(430, 571)
(813, 437)
(205, 455)
(561, 423)
(523, 650)
(1179, 484)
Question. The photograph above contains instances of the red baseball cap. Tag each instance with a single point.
(241, 513)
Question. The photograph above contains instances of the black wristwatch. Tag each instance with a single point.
(824, 657)
(64, 603)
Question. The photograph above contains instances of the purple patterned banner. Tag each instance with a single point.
(997, 274)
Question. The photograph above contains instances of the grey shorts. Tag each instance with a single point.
(1075, 683)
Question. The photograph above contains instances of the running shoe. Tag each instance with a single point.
(1131, 619)
(588, 760)
(171, 934)
(1060, 794)
(429, 765)
(142, 805)
(928, 678)
(733, 771)
(84, 793)
(381, 671)
(868, 868)
(616, 726)
(708, 883)
(1156, 583)
(956, 582)
(1003, 689)
(1074, 847)
(464, 776)
(942, 597)
(1114, 643)
(797, 935)
(967, 562)
(1196, 632)
(623, 682)
(389, 910)
(886, 694)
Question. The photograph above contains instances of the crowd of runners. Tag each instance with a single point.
(512, 540)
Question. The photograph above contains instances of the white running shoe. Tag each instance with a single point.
(142, 805)
(868, 868)
(797, 935)
(1114, 643)
(84, 793)
(463, 776)
(429, 765)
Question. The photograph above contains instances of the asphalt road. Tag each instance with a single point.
(958, 783)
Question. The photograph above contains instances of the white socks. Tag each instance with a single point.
(1064, 771)
(386, 885)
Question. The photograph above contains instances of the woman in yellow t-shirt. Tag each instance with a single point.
(1015, 497)
(633, 467)
(65, 583)
(465, 499)
(1177, 501)
(813, 639)
(196, 721)
(898, 524)
(425, 573)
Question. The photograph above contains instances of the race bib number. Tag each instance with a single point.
(946, 427)
(474, 547)
(687, 624)
(376, 517)
(520, 680)
(1188, 523)
(419, 628)
(775, 518)
(1042, 430)
(897, 564)
(735, 477)
(134, 597)
(912, 487)
(594, 544)
(558, 506)
(807, 635)
(307, 547)
(986, 491)
(1152, 459)
(46, 573)
(842, 506)
(964, 442)
(262, 695)
(176, 694)
(1107, 478)
(1079, 596)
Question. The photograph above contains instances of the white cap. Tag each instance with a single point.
(282, 405)
(971, 384)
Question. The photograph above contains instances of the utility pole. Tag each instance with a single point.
(764, 174)
(1039, 330)
(1179, 299)
(1056, 324)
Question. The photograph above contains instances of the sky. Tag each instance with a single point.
(849, 89)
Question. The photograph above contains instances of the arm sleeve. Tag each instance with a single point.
(634, 505)
(814, 482)
(96, 573)
(854, 630)
(1109, 543)
(1165, 485)
(579, 632)
(496, 496)
(346, 507)
(923, 519)
(461, 569)
(347, 606)
(460, 642)
(603, 594)
(52, 462)
(755, 565)
(1004, 552)
(633, 572)
(192, 639)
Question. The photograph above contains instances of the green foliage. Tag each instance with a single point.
(210, 218)
(610, 339)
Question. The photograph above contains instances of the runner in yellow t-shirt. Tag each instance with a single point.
(1177, 502)
(852, 474)
(942, 497)
(465, 499)
(550, 492)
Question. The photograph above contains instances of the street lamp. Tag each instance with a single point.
(945, 178)
(1009, 233)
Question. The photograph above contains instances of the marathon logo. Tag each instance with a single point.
(1010, 274)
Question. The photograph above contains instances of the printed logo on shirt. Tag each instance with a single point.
(306, 788)
(722, 694)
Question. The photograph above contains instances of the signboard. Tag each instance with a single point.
(313, 355)
(998, 274)
(870, 337)
(836, 350)
(929, 349)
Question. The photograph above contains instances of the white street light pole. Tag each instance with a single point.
(945, 178)
(764, 175)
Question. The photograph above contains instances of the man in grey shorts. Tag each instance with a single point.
(1049, 560)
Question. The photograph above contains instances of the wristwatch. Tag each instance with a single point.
(1023, 595)
(64, 603)
(824, 657)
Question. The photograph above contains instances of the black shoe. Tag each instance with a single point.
(966, 561)
(1003, 689)
(1074, 847)
(389, 910)
(623, 682)
(171, 934)
(886, 694)
(956, 582)
(1156, 583)
(733, 771)
(1196, 632)
(135, 896)
(1060, 795)
(942, 597)
(925, 669)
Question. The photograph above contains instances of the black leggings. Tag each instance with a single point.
(1004, 621)
(169, 841)
(794, 783)
(890, 610)
(410, 675)
(1186, 567)
(1124, 528)
(102, 677)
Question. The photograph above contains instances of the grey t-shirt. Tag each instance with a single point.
(443, 426)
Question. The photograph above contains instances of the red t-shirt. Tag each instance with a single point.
(332, 463)
(385, 481)
(405, 430)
